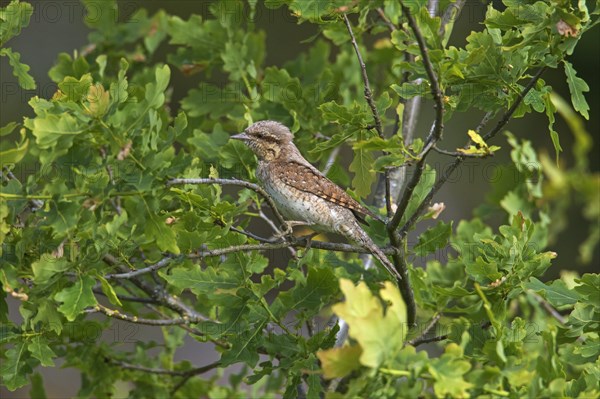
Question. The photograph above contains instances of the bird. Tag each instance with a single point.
(302, 193)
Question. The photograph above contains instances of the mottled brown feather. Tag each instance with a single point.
(305, 179)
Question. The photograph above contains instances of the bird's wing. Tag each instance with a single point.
(310, 180)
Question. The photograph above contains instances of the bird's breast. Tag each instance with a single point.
(298, 205)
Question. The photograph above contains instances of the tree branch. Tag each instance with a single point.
(372, 106)
(385, 19)
(139, 320)
(431, 324)
(158, 265)
(438, 126)
(499, 126)
(460, 154)
(152, 370)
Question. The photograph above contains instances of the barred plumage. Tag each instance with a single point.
(302, 192)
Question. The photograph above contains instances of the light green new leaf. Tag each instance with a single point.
(76, 297)
(339, 362)
(20, 70)
(14, 155)
(74, 89)
(155, 92)
(577, 87)
(448, 372)
(8, 129)
(109, 291)
(49, 129)
(379, 335)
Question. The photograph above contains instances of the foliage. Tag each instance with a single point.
(101, 227)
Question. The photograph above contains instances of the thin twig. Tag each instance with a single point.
(153, 370)
(139, 320)
(548, 308)
(385, 19)
(125, 298)
(331, 160)
(296, 242)
(372, 106)
(451, 13)
(460, 154)
(158, 293)
(158, 265)
(431, 324)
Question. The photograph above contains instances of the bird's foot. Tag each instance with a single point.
(288, 231)
(308, 239)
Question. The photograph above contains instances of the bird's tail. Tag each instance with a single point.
(363, 239)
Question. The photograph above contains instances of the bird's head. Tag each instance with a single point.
(266, 138)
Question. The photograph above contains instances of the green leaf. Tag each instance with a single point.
(320, 286)
(20, 70)
(588, 288)
(14, 17)
(8, 129)
(14, 155)
(40, 350)
(364, 177)
(74, 89)
(434, 238)
(51, 128)
(47, 266)
(201, 282)
(76, 297)
(164, 236)
(419, 193)
(556, 293)
(577, 87)
(14, 367)
(448, 372)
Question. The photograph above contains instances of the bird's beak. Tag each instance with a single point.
(241, 136)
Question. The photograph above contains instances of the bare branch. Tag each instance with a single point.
(385, 19)
(548, 307)
(139, 320)
(152, 370)
(460, 154)
(129, 298)
(431, 324)
(158, 265)
(451, 13)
